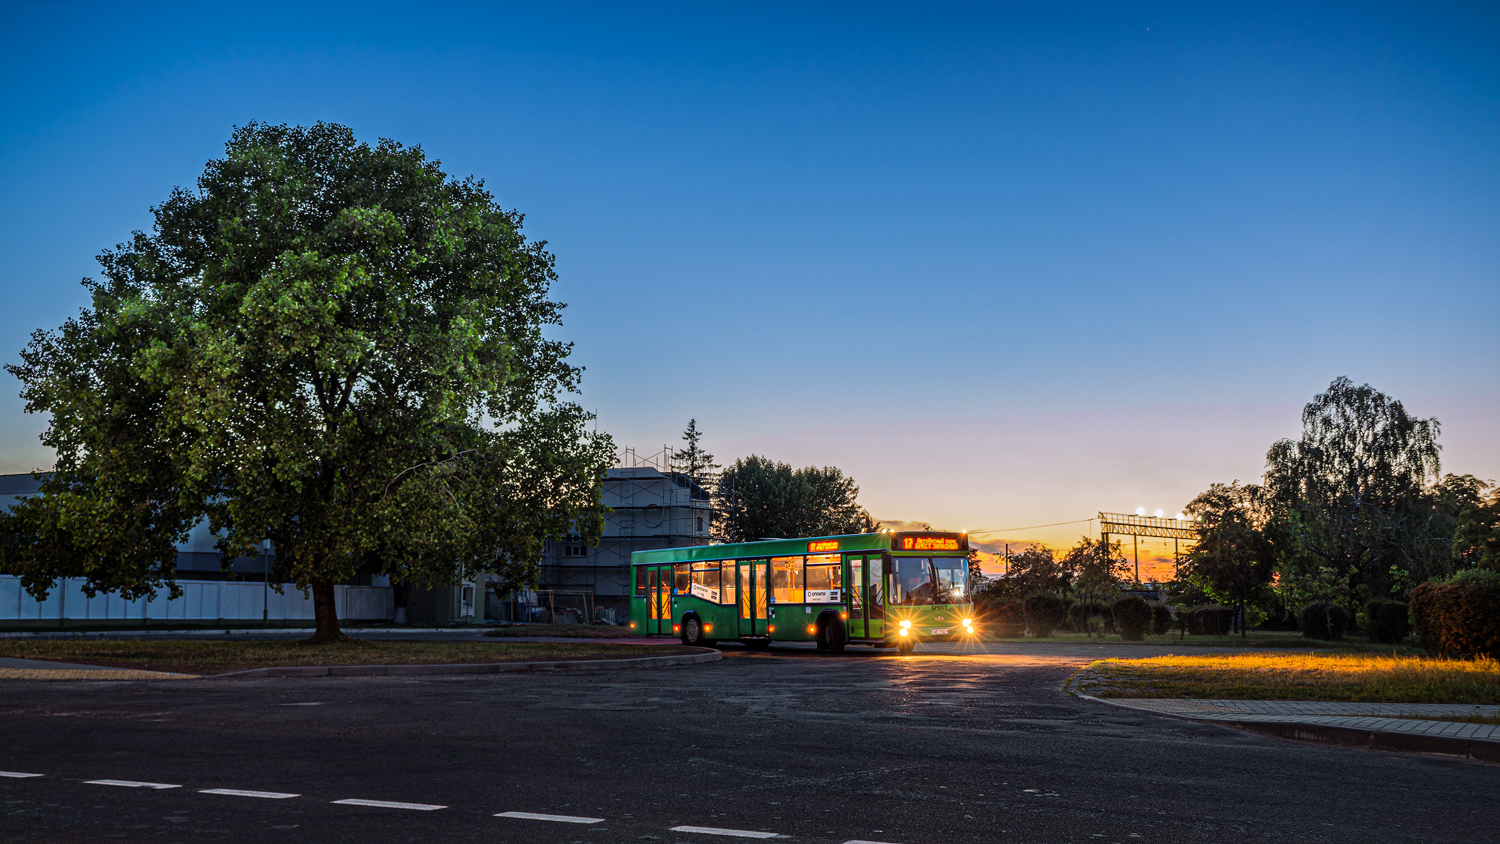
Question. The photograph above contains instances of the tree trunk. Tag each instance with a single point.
(325, 613)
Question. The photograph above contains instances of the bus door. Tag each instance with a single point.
(856, 595)
(875, 595)
(659, 600)
(752, 597)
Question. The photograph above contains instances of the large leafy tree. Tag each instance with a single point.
(758, 498)
(1350, 494)
(327, 344)
(1097, 570)
(1033, 571)
(1476, 534)
(1233, 560)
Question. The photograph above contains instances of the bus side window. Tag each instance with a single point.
(786, 580)
(824, 579)
(877, 588)
(640, 580)
(706, 576)
(726, 590)
(682, 578)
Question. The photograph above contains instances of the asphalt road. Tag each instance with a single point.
(930, 749)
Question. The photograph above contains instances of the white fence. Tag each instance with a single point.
(202, 601)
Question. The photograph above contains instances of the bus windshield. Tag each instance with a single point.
(923, 580)
(952, 579)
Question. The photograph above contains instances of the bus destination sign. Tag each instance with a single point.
(822, 545)
(928, 543)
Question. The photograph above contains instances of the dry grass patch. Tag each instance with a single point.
(216, 657)
(1357, 677)
(571, 631)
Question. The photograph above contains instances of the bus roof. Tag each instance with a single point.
(882, 541)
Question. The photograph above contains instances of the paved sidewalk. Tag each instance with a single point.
(1416, 718)
(1412, 727)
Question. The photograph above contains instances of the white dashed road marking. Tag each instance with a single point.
(383, 804)
(17, 775)
(531, 816)
(733, 833)
(862, 841)
(234, 792)
(159, 786)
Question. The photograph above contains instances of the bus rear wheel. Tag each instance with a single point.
(834, 636)
(831, 634)
(905, 646)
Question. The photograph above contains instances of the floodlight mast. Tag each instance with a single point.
(1138, 526)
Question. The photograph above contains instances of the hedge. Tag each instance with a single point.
(1163, 619)
(1044, 613)
(1323, 621)
(1459, 617)
(1213, 620)
(1007, 619)
(1389, 621)
(1133, 616)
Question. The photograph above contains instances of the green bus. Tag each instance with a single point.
(887, 589)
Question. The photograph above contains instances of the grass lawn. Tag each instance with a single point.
(1359, 677)
(199, 657)
(1260, 639)
(572, 631)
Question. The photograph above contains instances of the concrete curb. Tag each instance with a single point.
(1476, 749)
(704, 655)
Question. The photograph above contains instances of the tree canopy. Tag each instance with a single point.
(758, 498)
(327, 344)
(1352, 494)
(1233, 561)
(1354, 509)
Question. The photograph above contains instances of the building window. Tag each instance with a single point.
(573, 546)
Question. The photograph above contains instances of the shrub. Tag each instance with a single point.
(1133, 617)
(1460, 617)
(1323, 621)
(1162, 619)
(1388, 621)
(1087, 617)
(1044, 613)
(1212, 620)
(1006, 619)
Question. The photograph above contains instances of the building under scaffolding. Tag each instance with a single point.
(654, 507)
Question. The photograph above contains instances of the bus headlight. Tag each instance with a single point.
(969, 626)
(905, 624)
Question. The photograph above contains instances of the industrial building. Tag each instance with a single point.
(652, 507)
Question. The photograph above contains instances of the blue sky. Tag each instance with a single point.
(1006, 266)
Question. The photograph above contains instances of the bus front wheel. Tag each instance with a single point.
(692, 631)
(905, 646)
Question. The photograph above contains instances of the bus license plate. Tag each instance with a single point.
(937, 631)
